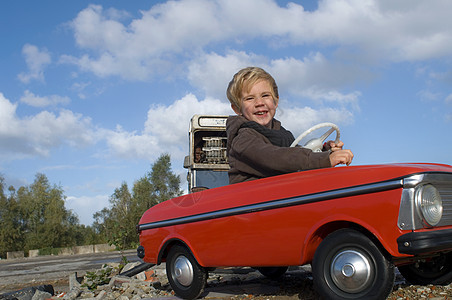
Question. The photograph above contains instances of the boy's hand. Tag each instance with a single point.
(331, 145)
(339, 156)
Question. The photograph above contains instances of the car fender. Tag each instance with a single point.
(171, 241)
(332, 223)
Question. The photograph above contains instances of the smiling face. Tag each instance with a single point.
(258, 104)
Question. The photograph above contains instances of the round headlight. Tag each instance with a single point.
(429, 204)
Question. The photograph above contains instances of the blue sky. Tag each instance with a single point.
(92, 92)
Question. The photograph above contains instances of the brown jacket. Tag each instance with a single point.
(252, 156)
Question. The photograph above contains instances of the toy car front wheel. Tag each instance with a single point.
(186, 276)
(348, 265)
(437, 270)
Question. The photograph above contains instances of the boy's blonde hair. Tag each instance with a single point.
(245, 79)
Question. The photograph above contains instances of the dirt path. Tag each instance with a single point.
(55, 270)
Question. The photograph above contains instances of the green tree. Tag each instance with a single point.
(165, 184)
(118, 223)
(123, 233)
(86, 235)
(142, 193)
(10, 232)
(102, 223)
(45, 220)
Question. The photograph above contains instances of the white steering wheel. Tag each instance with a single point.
(316, 145)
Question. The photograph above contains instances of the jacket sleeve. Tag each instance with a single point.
(254, 154)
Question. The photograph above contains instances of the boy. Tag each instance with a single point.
(258, 146)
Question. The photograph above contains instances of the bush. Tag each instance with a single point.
(49, 251)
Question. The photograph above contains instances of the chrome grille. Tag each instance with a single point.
(445, 190)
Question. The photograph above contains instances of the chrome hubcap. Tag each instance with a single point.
(183, 271)
(351, 271)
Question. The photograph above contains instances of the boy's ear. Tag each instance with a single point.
(236, 110)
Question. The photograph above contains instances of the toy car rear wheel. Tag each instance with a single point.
(272, 272)
(437, 270)
(186, 276)
(348, 265)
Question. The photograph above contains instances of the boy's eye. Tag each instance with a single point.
(249, 98)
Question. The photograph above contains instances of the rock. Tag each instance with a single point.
(28, 293)
(73, 293)
(130, 266)
(101, 295)
(87, 294)
(41, 295)
(74, 281)
(119, 280)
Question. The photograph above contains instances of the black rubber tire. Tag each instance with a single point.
(437, 270)
(274, 273)
(198, 275)
(348, 248)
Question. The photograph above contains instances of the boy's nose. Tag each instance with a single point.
(259, 101)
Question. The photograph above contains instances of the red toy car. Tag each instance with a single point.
(352, 224)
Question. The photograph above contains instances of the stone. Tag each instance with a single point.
(28, 293)
(74, 281)
(130, 266)
(119, 280)
(72, 294)
(101, 295)
(41, 295)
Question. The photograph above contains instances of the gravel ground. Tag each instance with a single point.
(231, 283)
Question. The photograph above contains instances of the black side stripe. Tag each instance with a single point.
(279, 203)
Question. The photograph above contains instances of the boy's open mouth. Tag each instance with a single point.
(261, 113)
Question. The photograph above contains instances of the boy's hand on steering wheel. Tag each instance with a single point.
(331, 145)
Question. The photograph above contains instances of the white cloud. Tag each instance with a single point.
(414, 30)
(448, 99)
(316, 78)
(169, 31)
(299, 119)
(165, 121)
(136, 50)
(131, 145)
(7, 114)
(165, 130)
(428, 96)
(38, 134)
(38, 101)
(212, 72)
(448, 117)
(448, 113)
(85, 206)
(36, 61)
